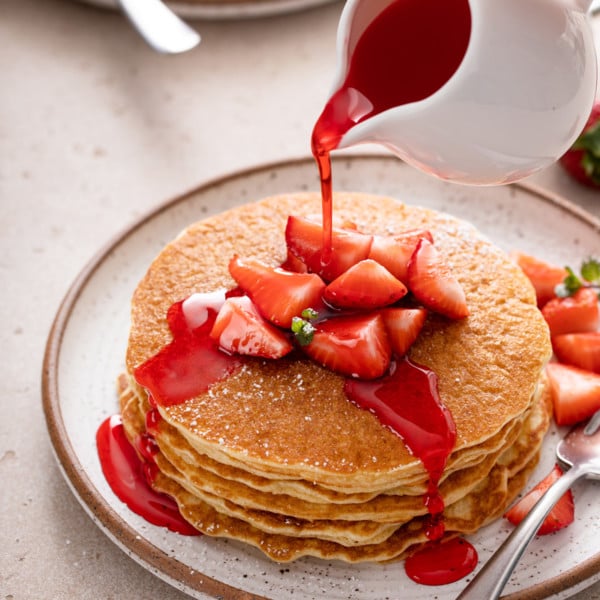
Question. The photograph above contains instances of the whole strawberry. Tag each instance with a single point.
(582, 160)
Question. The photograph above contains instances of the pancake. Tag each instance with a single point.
(469, 499)
(275, 455)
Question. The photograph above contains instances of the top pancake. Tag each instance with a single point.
(292, 419)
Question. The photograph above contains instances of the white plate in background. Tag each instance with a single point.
(230, 9)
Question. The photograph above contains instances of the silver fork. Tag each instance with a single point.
(580, 449)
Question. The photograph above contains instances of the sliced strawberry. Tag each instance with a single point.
(304, 239)
(543, 276)
(278, 295)
(432, 283)
(353, 345)
(395, 252)
(579, 349)
(560, 516)
(240, 329)
(365, 285)
(575, 393)
(403, 326)
(574, 314)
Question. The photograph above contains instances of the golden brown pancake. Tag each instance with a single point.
(276, 455)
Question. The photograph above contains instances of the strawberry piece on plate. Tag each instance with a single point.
(578, 349)
(543, 276)
(560, 516)
(365, 285)
(403, 326)
(431, 281)
(304, 240)
(355, 345)
(395, 252)
(574, 314)
(575, 393)
(240, 329)
(279, 295)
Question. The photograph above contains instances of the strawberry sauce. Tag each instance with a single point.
(189, 365)
(441, 563)
(183, 369)
(128, 477)
(407, 401)
(406, 54)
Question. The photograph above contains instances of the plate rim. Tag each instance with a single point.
(162, 565)
(215, 10)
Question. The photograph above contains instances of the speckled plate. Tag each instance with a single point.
(86, 348)
(229, 9)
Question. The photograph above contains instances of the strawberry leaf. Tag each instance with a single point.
(570, 284)
(310, 314)
(590, 270)
(589, 277)
(589, 143)
(303, 330)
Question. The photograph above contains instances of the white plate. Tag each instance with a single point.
(87, 344)
(230, 9)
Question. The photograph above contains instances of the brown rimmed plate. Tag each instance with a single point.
(86, 347)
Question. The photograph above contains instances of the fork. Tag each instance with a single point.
(580, 449)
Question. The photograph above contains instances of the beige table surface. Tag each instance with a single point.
(96, 129)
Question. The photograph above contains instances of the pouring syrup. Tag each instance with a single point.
(407, 53)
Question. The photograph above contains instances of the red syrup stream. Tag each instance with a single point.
(406, 54)
(407, 401)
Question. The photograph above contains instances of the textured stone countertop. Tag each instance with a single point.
(95, 130)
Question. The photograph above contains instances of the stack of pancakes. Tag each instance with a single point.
(277, 456)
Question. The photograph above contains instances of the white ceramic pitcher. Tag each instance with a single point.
(517, 101)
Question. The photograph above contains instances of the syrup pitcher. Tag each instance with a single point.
(472, 91)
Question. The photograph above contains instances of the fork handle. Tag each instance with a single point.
(492, 578)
